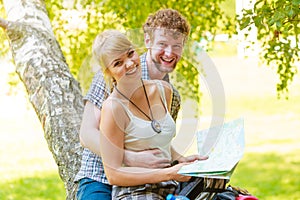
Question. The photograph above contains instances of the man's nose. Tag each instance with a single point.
(168, 50)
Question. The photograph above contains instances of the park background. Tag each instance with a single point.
(269, 168)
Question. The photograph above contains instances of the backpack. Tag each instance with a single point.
(199, 188)
(212, 189)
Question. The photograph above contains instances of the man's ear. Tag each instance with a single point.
(147, 40)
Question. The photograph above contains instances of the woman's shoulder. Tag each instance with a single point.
(112, 104)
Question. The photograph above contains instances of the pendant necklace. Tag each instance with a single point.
(155, 124)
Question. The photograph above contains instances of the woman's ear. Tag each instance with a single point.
(147, 40)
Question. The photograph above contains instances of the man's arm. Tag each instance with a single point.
(89, 131)
(146, 159)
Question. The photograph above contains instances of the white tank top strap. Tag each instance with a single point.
(129, 113)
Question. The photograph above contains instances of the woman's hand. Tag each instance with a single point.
(191, 158)
(173, 172)
(181, 162)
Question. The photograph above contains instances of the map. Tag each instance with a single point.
(224, 146)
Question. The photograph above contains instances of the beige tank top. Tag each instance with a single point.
(139, 134)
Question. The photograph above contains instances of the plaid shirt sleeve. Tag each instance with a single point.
(175, 105)
(98, 90)
(176, 99)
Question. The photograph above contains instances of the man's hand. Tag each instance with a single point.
(147, 159)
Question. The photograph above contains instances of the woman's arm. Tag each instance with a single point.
(112, 152)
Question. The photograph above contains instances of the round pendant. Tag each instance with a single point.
(156, 126)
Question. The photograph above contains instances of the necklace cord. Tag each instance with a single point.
(135, 104)
(147, 99)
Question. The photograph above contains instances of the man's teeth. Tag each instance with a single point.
(167, 60)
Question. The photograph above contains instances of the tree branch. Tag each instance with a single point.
(3, 23)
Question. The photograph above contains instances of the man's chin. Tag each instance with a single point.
(167, 69)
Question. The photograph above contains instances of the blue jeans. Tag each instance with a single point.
(89, 189)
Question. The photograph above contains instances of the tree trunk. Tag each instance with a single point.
(52, 90)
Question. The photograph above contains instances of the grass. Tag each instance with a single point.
(270, 176)
(269, 169)
(27, 169)
(46, 186)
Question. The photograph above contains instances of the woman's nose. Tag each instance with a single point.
(129, 63)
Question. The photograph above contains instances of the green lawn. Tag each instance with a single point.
(269, 176)
(46, 186)
(27, 169)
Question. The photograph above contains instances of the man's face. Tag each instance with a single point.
(166, 49)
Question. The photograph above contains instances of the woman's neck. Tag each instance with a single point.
(128, 88)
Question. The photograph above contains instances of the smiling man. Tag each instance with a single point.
(164, 50)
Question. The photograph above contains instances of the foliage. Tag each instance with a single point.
(4, 46)
(76, 25)
(278, 28)
(206, 19)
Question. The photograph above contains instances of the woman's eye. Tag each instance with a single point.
(118, 63)
(130, 53)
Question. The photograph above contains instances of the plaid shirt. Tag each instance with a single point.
(91, 164)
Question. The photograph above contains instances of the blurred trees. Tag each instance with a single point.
(76, 23)
(278, 31)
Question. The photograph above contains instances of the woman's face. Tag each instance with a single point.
(125, 65)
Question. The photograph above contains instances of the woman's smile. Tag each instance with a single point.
(133, 70)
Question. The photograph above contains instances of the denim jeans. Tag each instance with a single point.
(89, 189)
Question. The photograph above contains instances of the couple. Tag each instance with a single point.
(136, 114)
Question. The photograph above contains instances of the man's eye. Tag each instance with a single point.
(177, 47)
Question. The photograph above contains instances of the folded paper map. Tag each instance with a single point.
(224, 145)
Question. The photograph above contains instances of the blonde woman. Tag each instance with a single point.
(136, 116)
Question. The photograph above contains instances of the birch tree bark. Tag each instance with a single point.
(52, 90)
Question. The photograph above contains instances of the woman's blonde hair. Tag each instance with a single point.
(107, 44)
